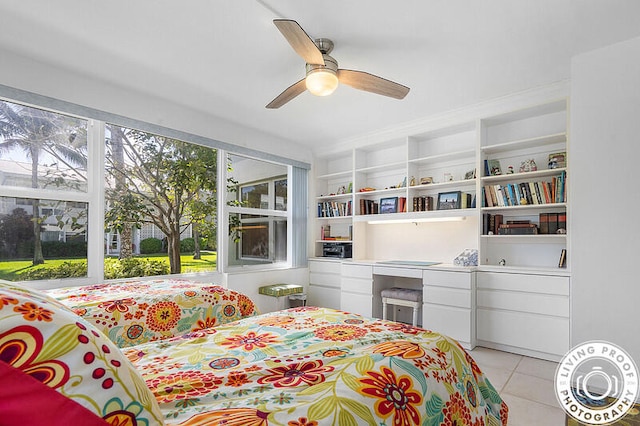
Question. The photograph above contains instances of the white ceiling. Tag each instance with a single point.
(226, 58)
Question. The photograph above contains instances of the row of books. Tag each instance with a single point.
(325, 234)
(334, 209)
(386, 205)
(549, 223)
(553, 223)
(422, 204)
(536, 192)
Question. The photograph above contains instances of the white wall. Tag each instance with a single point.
(44, 79)
(604, 161)
(437, 241)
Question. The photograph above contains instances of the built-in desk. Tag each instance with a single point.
(448, 292)
(521, 311)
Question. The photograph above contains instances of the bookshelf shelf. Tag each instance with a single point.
(536, 142)
(417, 216)
(337, 175)
(334, 197)
(381, 192)
(440, 158)
(382, 167)
(524, 176)
(525, 208)
(336, 218)
(542, 238)
(469, 183)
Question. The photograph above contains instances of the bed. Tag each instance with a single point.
(302, 366)
(136, 311)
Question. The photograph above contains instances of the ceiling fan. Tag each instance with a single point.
(323, 74)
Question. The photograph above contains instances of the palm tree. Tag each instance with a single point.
(38, 133)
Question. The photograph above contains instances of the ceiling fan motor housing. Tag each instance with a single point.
(330, 65)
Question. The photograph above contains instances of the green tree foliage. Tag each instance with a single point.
(171, 184)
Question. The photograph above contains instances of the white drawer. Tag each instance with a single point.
(357, 271)
(447, 296)
(447, 279)
(397, 272)
(356, 303)
(524, 302)
(323, 297)
(453, 322)
(327, 280)
(547, 284)
(528, 331)
(356, 285)
(325, 266)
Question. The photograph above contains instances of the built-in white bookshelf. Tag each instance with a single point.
(452, 159)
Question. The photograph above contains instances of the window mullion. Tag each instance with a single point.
(95, 176)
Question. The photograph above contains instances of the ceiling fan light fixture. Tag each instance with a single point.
(321, 82)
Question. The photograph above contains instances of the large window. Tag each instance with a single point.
(70, 207)
(257, 213)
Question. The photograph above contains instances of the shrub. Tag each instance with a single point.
(56, 249)
(187, 245)
(134, 267)
(151, 245)
(64, 270)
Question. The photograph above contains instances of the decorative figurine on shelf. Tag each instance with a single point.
(510, 170)
(528, 166)
(350, 188)
(502, 262)
(412, 182)
(342, 190)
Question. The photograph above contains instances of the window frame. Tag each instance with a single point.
(269, 215)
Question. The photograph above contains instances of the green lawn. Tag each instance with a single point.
(11, 270)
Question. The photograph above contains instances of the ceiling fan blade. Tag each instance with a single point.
(371, 83)
(300, 41)
(289, 93)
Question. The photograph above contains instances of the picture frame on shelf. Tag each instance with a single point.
(471, 174)
(494, 167)
(449, 200)
(557, 160)
(389, 205)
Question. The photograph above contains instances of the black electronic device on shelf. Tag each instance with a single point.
(339, 250)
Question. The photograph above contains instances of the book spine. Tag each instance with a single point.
(562, 221)
(497, 222)
(553, 223)
(544, 223)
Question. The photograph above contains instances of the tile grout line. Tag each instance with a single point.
(511, 374)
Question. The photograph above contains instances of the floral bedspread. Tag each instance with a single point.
(315, 366)
(135, 312)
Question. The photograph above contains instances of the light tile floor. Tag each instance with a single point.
(525, 384)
